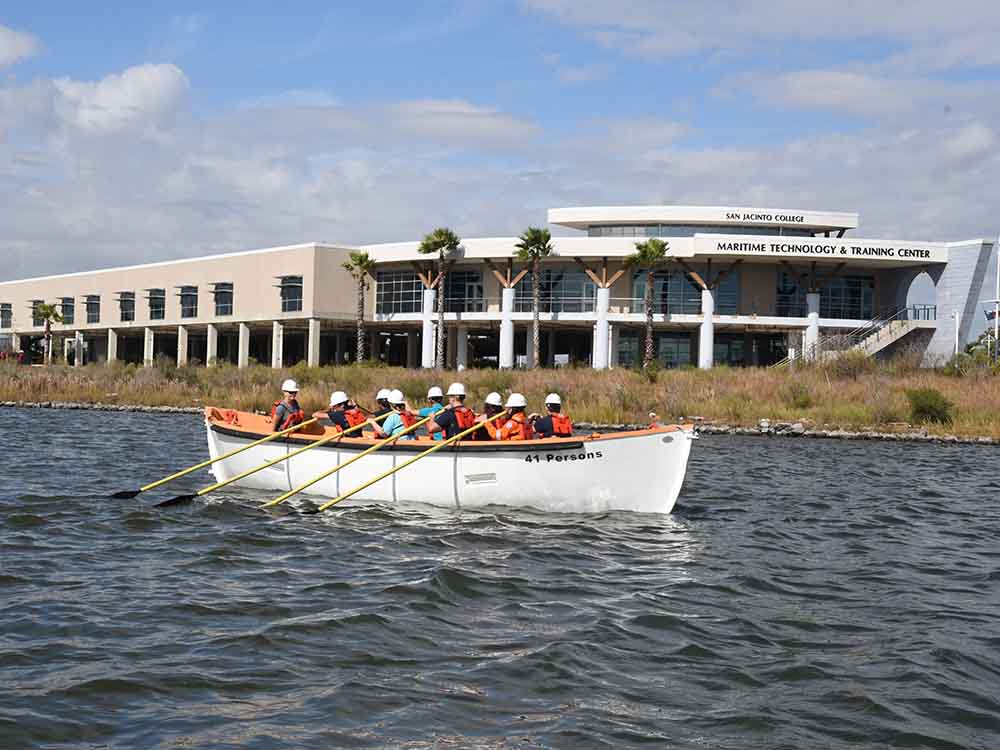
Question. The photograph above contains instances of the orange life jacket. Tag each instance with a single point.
(294, 417)
(562, 426)
(464, 417)
(354, 416)
(516, 428)
(408, 417)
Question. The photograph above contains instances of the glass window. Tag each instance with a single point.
(790, 298)
(849, 297)
(291, 293)
(674, 292)
(93, 308)
(67, 310)
(560, 292)
(126, 302)
(728, 350)
(223, 298)
(36, 319)
(6, 315)
(689, 230)
(463, 291)
(672, 349)
(189, 301)
(398, 292)
(157, 304)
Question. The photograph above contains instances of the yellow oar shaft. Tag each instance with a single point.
(416, 458)
(279, 459)
(211, 461)
(346, 463)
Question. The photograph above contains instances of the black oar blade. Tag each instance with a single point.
(125, 494)
(177, 500)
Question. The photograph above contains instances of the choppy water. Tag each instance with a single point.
(805, 594)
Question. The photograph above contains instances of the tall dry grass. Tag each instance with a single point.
(849, 395)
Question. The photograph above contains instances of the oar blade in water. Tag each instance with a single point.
(125, 494)
(176, 500)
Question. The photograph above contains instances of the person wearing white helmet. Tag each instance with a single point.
(400, 419)
(554, 423)
(456, 418)
(517, 426)
(435, 399)
(343, 413)
(491, 407)
(287, 412)
(382, 402)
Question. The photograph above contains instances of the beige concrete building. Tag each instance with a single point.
(741, 286)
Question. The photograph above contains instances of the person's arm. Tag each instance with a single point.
(279, 418)
(439, 422)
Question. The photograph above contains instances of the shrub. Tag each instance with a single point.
(797, 394)
(850, 364)
(928, 405)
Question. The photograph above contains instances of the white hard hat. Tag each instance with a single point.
(435, 392)
(456, 389)
(337, 397)
(290, 386)
(515, 400)
(397, 397)
(553, 398)
(383, 394)
(494, 399)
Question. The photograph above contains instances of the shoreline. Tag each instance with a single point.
(765, 427)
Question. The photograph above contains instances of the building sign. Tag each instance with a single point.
(756, 217)
(819, 249)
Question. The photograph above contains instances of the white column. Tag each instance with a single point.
(599, 357)
(277, 345)
(812, 330)
(15, 343)
(112, 345)
(706, 338)
(78, 360)
(427, 344)
(243, 357)
(212, 346)
(412, 342)
(182, 346)
(506, 329)
(147, 347)
(312, 354)
(461, 347)
(67, 346)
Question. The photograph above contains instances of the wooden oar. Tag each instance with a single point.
(348, 462)
(213, 487)
(403, 465)
(129, 494)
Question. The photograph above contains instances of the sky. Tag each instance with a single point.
(132, 132)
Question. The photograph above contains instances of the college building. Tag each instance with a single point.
(740, 286)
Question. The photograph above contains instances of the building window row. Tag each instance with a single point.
(6, 315)
(845, 297)
(126, 304)
(291, 293)
(689, 230)
(559, 292)
(676, 293)
(67, 308)
(223, 292)
(189, 301)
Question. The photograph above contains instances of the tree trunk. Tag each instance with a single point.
(536, 304)
(650, 353)
(440, 326)
(360, 320)
(48, 343)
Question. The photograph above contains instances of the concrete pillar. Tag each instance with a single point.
(147, 347)
(706, 334)
(427, 344)
(551, 359)
(461, 347)
(450, 347)
(506, 358)
(811, 344)
(112, 345)
(312, 353)
(212, 346)
(599, 356)
(182, 346)
(243, 355)
(412, 342)
(277, 345)
(78, 343)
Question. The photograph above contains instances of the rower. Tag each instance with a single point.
(435, 397)
(554, 423)
(456, 417)
(343, 414)
(492, 407)
(516, 427)
(382, 402)
(287, 412)
(400, 419)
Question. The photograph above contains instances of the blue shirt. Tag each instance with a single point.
(393, 425)
(434, 409)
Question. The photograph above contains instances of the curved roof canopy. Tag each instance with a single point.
(584, 217)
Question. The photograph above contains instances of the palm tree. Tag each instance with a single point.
(49, 314)
(444, 242)
(535, 244)
(648, 256)
(360, 266)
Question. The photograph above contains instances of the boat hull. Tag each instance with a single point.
(641, 471)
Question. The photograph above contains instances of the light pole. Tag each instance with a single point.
(958, 319)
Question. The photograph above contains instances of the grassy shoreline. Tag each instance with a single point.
(859, 395)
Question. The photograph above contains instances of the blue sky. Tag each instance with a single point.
(132, 132)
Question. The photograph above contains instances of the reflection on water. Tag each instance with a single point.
(804, 594)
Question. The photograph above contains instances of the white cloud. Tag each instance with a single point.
(15, 46)
(454, 119)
